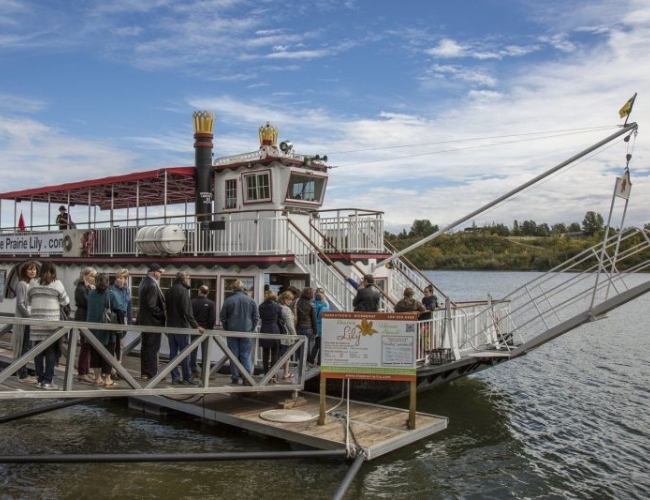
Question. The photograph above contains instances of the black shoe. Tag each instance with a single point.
(177, 381)
(193, 382)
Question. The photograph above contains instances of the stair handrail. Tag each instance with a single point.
(313, 250)
(391, 249)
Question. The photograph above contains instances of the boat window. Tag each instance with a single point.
(231, 193)
(258, 186)
(167, 281)
(249, 283)
(306, 188)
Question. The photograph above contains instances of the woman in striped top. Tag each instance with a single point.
(46, 295)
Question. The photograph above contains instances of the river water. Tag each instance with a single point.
(569, 420)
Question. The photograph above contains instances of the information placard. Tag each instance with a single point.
(372, 346)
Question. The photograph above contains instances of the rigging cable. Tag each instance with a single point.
(452, 150)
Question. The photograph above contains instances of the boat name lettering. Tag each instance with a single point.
(31, 243)
(352, 334)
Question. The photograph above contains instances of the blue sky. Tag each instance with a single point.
(408, 99)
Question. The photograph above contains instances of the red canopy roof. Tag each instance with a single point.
(129, 190)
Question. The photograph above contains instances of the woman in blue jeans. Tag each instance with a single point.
(306, 318)
(45, 297)
(20, 340)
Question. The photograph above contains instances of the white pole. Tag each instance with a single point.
(624, 130)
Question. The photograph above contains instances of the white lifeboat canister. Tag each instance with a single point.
(160, 240)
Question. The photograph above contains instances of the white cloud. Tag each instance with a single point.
(20, 104)
(447, 48)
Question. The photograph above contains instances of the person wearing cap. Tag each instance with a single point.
(63, 219)
(367, 298)
(151, 312)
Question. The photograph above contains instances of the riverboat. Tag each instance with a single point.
(258, 217)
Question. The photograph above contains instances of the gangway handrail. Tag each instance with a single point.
(62, 329)
(563, 299)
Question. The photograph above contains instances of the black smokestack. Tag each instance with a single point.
(203, 122)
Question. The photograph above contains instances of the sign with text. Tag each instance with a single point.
(31, 244)
(372, 346)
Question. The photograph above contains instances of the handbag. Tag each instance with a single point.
(108, 315)
(282, 325)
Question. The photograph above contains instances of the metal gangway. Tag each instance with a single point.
(215, 355)
(579, 291)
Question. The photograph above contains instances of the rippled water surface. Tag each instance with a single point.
(569, 420)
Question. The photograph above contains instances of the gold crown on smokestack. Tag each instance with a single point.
(203, 122)
(268, 135)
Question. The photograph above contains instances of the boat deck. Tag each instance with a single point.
(375, 429)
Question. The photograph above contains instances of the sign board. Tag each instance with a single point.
(371, 346)
(26, 243)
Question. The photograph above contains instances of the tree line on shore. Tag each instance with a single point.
(526, 246)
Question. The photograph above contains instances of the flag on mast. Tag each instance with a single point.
(21, 222)
(627, 107)
(623, 186)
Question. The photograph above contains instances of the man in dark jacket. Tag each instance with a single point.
(239, 313)
(151, 312)
(367, 298)
(205, 314)
(180, 315)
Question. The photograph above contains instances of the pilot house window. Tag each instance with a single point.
(306, 188)
(258, 187)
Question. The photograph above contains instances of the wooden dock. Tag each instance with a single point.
(374, 429)
(361, 428)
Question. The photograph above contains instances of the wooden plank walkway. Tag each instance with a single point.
(375, 429)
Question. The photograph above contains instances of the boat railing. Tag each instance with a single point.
(351, 230)
(570, 294)
(452, 332)
(252, 232)
(215, 355)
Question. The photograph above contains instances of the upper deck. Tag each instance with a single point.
(247, 233)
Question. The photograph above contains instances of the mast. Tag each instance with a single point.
(624, 130)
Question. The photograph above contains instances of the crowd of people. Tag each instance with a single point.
(40, 295)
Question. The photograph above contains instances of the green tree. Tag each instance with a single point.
(529, 228)
(575, 227)
(422, 228)
(593, 223)
(558, 228)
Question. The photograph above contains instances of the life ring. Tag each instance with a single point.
(88, 242)
(67, 243)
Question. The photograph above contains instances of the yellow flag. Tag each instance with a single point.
(627, 107)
